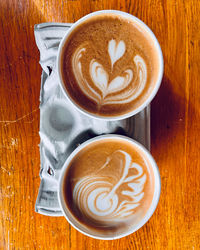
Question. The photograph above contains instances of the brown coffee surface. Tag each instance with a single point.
(109, 65)
(109, 186)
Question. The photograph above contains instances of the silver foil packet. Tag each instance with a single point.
(62, 126)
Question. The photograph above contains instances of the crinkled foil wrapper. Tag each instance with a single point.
(62, 126)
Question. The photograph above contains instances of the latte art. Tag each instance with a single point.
(109, 66)
(116, 50)
(109, 186)
(97, 197)
(124, 88)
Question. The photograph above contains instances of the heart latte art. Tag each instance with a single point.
(97, 197)
(109, 65)
(123, 88)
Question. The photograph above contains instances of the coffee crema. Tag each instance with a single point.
(109, 65)
(109, 186)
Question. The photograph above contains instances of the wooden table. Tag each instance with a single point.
(175, 126)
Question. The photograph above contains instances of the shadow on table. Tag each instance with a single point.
(167, 115)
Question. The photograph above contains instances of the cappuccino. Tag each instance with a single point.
(109, 65)
(109, 187)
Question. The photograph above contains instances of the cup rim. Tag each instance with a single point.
(160, 63)
(157, 188)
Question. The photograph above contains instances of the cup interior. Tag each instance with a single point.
(157, 48)
(108, 233)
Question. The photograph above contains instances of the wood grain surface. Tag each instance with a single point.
(175, 126)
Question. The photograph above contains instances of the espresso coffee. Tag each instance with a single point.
(109, 187)
(109, 65)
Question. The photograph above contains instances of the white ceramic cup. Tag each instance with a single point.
(92, 233)
(150, 35)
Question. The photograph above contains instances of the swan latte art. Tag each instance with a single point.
(109, 65)
(109, 186)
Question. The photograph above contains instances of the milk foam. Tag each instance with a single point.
(97, 197)
(122, 89)
(116, 50)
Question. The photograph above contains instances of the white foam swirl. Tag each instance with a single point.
(82, 82)
(122, 89)
(137, 87)
(97, 196)
(116, 50)
(99, 76)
